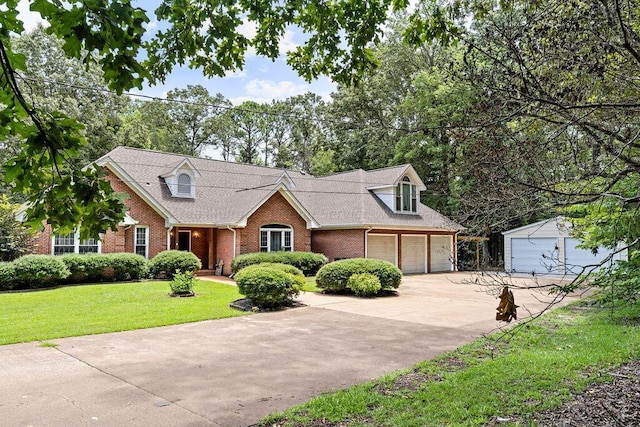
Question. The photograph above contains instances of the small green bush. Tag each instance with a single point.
(308, 262)
(364, 284)
(182, 283)
(7, 276)
(90, 268)
(270, 285)
(334, 277)
(166, 263)
(39, 271)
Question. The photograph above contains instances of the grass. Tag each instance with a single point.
(536, 369)
(94, 309)
(310, 285)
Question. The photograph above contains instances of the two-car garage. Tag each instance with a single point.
(546, 247)
(414, 253)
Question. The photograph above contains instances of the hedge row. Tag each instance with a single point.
(42, 271)
(334, 277)
(307, 262)
(270, 285)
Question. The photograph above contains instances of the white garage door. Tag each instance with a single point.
(382, 247)
(413, 254)
(576, 258)
(441, 254)
(539, 255)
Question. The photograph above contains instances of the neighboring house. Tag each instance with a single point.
(547, 247)
(218, 210)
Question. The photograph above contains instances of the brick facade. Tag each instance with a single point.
(276, 210)
(337, 244)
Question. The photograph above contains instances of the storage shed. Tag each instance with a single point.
(546, 247)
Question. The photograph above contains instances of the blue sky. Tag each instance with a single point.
(262, 80)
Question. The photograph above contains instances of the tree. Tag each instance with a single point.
(15, 238)
(207, 35)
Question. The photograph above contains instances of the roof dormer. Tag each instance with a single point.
(182, 180)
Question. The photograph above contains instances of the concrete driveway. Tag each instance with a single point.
(233, 372)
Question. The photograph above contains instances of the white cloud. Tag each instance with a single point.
(235, 74)
(286, 42)
(29, 18)
(275, 90)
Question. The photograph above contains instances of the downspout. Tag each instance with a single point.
(455, 251)
(366, 242)
(169, 237)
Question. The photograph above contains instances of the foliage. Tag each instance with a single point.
(166, 263)
(364, 284)
(270, 285)
(7, 276)
(621, 283)
(88, 268)
(182, 283)
(15, 238)
(334, 277)
(95, 309)
(39, 271)
(307, 262)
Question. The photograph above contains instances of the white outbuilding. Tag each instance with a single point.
(546, 247)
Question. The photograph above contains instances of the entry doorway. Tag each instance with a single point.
(184, 240)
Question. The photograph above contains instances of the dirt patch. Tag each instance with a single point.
(410, 381)
(245, 304)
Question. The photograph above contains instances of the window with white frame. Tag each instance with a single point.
(71, 244)
(276, 237)
(406, 196)
(142, 240)
(184, 184)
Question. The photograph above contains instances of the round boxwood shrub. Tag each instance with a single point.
(308, 262)
(364, 284)
(39, 271)
(86, 268)
(334, 277)
(166, 263)
(270, 285)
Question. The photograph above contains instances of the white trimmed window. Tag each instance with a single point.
(142, 240)
(276, 237)
(406, 195)
(71, 244)
(184, 184)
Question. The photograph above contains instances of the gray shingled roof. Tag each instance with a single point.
(226, 192)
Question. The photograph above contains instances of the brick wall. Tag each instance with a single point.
(224, 248)
(145, 215)
(338, 243)
(276, 210)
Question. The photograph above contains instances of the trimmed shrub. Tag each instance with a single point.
(39, 271)
(308, 262)
(270, 285)
(182, 283)
(166, 263)
(364, 284)
(334, 277)
(87, 268)
(7, 276)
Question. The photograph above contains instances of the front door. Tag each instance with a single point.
(184, 240)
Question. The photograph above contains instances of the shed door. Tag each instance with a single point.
(441, 254)
(413, 254)
(534, 255)
(382, 247)
(576, 258)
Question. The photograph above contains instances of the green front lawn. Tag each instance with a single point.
(96, 309)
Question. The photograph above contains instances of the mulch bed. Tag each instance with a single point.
(612, 404)
(245, 304)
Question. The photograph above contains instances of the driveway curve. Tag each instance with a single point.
(233, 372)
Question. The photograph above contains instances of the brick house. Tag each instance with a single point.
(218, 210)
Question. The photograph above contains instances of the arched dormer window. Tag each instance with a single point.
(184, 184)
(406, 195)
(276, 237)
